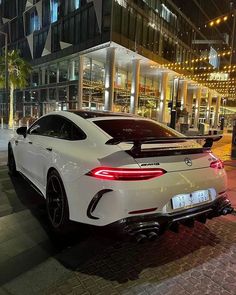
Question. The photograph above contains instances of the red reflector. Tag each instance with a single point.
(218, 164)
(143, 211)
(110, 173)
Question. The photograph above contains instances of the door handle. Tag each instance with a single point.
(30, 142)
(49, 149)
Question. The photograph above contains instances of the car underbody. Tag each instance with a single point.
(151, 226)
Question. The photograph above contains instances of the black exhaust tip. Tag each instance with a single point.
(227, 210)
(141, 238)
(152, 236)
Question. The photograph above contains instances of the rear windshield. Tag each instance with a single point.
(132, 129)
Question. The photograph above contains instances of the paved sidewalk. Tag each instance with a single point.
(5, 136)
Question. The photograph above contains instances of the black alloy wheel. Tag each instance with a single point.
(11, 162)
(56, 201)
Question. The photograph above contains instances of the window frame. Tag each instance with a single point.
(65, 119)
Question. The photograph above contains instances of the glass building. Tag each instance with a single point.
(135, 56)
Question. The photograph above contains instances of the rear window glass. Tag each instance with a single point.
(132, 129)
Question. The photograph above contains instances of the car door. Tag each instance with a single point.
(31, 147)
(48, 140)
(53, 145)
(45, 146)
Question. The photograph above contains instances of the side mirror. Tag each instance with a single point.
(21, 131)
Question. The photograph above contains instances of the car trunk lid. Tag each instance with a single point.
(172, 157)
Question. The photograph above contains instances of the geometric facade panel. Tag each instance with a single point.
(48, 44)
(98, 11)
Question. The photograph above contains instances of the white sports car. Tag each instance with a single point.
(101, 168)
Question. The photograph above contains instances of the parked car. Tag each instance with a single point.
(101, 168)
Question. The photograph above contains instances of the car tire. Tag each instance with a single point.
(56, 203)
(11, 162)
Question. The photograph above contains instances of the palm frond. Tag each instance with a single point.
(18, 70)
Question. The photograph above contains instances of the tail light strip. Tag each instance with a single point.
(125, 174)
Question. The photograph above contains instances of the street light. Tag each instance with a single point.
(6, 70)
(218, 20)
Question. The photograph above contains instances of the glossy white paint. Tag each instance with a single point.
(73, 159)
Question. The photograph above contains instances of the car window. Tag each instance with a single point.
(135, 128)
(70, 131)
(58, 127)
(40, 127)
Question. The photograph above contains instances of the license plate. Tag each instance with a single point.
(188, 200)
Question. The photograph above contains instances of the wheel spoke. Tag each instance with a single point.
(55, 215)
(55, 201)
(54, 185)
(55, 198)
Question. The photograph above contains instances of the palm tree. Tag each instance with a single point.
(18, 72)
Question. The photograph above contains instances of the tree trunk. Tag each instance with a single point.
(11, 106)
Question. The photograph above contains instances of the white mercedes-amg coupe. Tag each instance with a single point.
(101, 168)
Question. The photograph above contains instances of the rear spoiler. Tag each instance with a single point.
(137, 143)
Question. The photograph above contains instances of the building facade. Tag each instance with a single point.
(134, 56)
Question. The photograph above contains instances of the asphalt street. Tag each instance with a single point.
(33, 260)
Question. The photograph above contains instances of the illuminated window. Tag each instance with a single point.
(34, 22)
(54, 10)
(77, 4)
(122, 3)
(166, 14)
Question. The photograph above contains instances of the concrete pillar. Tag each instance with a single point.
(189, 103)
(217, 111)
(109, 79)
(183, 94)
(209, 102)
(135, 86)
(163, 96)
(71, 70)
(197, 106)
(80, 82)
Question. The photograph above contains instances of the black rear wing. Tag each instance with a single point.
(137, 143)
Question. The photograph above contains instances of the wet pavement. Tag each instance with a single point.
(33, 260)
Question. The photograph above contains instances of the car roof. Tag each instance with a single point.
(96, 114)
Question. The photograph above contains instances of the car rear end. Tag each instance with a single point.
(168, 179)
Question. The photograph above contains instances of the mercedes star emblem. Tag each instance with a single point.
(188, 161)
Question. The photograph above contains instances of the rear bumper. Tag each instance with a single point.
(159, 222)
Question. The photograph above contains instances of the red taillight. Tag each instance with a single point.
(110, 173)
(218, 164)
